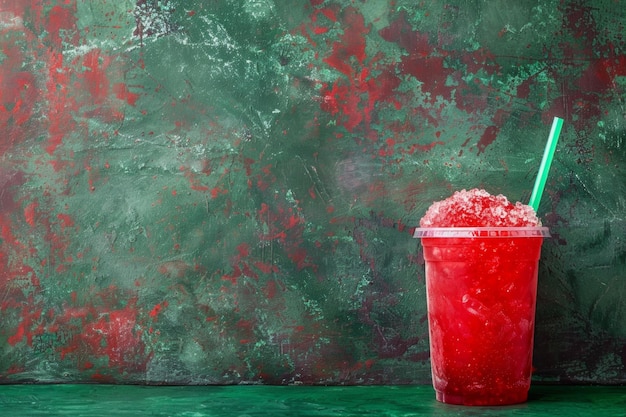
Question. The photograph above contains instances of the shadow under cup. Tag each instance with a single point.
(481, 286)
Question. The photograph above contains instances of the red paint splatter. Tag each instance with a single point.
(488, 137)
(194, 182)
(351, 44)
(352, 99)
(245, 265)
(244, 250)
(102, 378)
(156, 310)
(59, 121)
(523, 89)
(61, 22)
(19, 91)
(320, 30)
(265, 267)
(601, 73)
(425, 62)
(107, 332)
(342, 101)
(30, 213)
(300, 257)
(65, 220)
(30, 316)
(388, 149)
(123, 93)
(217, 191)
(270, 290)
(94, 76)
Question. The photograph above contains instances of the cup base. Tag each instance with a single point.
(479, 400)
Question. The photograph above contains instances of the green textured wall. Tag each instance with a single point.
(224, 191)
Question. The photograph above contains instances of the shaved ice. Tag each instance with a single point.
(478, 208)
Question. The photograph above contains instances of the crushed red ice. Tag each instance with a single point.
(478, 208)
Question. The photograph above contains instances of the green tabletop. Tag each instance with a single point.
(247, 401)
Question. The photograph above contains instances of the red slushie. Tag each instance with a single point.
(482, 255)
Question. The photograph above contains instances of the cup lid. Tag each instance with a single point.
(482, 232)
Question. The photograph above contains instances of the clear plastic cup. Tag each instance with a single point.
(481, 285)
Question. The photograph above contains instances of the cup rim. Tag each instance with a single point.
(481, 232)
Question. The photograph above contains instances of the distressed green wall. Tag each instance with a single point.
(224, 191)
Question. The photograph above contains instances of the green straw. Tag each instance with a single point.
(544, 168)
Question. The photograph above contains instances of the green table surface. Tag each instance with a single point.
(247, 401)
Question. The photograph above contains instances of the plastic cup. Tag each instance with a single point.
(481, 286)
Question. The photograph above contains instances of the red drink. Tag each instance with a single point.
(481, 285)
(481, 294)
